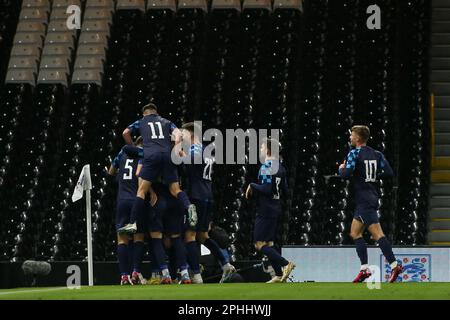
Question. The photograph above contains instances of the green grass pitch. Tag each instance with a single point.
(239, 291)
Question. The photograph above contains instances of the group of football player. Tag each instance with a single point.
(150, 201)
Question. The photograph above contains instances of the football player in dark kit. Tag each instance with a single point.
(271, 187)
(157, 134)
(199, 171)
(125, 168)
(364, 166)
(168, 218)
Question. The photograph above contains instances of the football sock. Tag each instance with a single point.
(138, 209)
(273, 255)
(122, 255)
(277, 268)
(153, 263)
(130, 247)
(138, 255)
(182, 196)
(180, 253)
(193, 256)
(361, 250)
(215, 250)
(165, 271)
(158, 252)
(184, 272)
(386, 248)
(172, 262)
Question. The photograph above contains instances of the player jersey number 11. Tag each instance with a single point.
(160, 130)
(371, 170)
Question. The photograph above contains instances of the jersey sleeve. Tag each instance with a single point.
(265, 178)
(350, 165)
(116, 161)
(171, 126)
(196, 154)
(386, 169)
(134, 127)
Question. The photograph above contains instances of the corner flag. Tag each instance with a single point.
(84, 183)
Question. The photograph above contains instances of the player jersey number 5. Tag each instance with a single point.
(128, 166)
(371, 170)
(157, 132)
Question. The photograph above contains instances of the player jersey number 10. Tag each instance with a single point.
(371, 170)
(160, 134)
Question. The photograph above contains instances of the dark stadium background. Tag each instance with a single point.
(312, 72)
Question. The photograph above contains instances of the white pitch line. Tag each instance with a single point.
(31, 291)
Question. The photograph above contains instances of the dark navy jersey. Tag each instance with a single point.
(133, 151)
(270, 188)
(156, 133)
(199, 174)
(365, 166)
(126, 177)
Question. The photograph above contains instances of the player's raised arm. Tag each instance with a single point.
(177, 136)
(133, 151)
(129, 131)
(115, 164)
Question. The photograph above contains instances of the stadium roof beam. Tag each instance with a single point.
(288, 4)
(257, 4)
(131, 5)
(162, 5)
(53, 76)
(65, 3)
(226, 4)
(109, 4)
(193, 4)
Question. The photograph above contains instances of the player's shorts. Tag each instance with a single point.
(204, 215)
(265, 228)
(123, 213)
(159, 164)
(366, 216)
(168, 216)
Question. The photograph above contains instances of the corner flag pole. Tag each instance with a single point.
(85, 183)
(89, 238)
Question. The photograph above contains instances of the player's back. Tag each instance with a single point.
(271, 188)
(369, 166)
(199, 174)
(156, 133)
(127, 179)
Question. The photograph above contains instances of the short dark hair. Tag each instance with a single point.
(362, 131)
(269, 142)
(139, 140)
(149, 106)
(192, 127)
